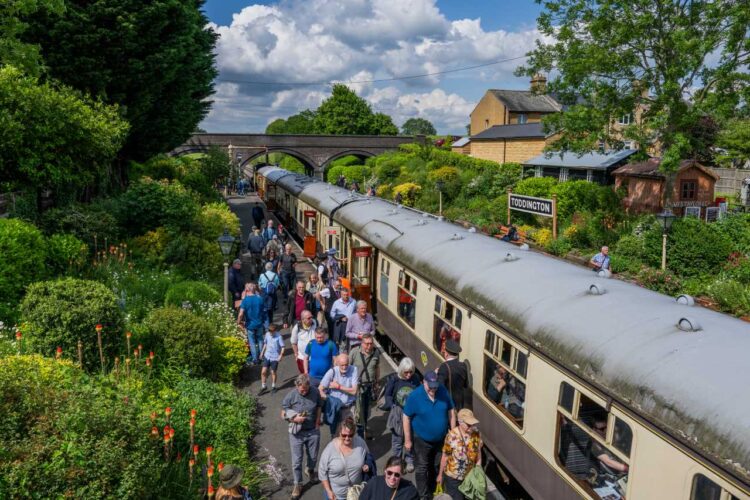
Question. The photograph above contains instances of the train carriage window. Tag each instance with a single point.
(594, 446)
(504, 383)
(446, 323)
(705, 489)
(385, 268)
(407, 297)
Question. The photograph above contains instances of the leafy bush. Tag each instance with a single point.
(388, 171)
(460, 161)
(541, 187)
(22, 254)
(450, 178)
(65, 252)
(197, 293)
(62, 312)
(665, 282)
(543, 237)
(227, 358)
(737, 228)
(694, 247)
(148, 204)
(185, 338)
(69, 437)
(559, 247)
(384, 191)
(213, 218)
(158, 167)
(409, 191)
(151, 246)
(92, 224)
(629, 246)
(732, 296)
(624, 264)
(346, 161)
(739, 269)
(194, 257)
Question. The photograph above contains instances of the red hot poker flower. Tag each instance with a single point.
(99, 327)
(168, 411)
(221, 466)
(209, 450)
(193, 413)
(192, 422)
(196, 450)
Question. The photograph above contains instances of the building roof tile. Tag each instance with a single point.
(525, 130)
(526, 101)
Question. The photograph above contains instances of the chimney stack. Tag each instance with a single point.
(539, 83)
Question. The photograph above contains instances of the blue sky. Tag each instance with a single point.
(275, 57)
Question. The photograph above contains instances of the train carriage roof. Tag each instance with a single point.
(696, 384)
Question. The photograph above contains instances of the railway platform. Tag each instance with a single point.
(270, 443)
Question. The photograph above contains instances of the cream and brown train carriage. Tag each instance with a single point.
(584, 386)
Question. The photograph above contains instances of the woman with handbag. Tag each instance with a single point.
(462, 451)
(342, 463)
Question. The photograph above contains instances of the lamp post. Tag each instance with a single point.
(226, 243)
(665, 218)
(440, 185)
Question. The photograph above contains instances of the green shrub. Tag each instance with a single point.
(92, 224)
(213, 218)
(460, 161)
(664, 282)
(624, 264)
(409, 192)
(148, 204)
(450, 178)
(629, 246)
(346, 161)
(227, 358)
(732, 296)
(559, 247)
(65, 252)
(541, 187)
(194, 257)
(22, 255)
(333, 173)
(694, 247)
(185, 339)
(158, 167)
(196, 293)
(388, 171)
(737, 228)
(67, 436)
(739, 270)
(62, 312)
(151, 247)
(357, 173)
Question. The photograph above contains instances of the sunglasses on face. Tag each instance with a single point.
(347, 436)
(394, 474)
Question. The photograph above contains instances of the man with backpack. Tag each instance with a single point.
(366, 359)
(268, 281)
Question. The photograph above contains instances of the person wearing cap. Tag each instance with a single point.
(230, 488)
(462, 450)
(274, 244)
(429, 414)
(453, 373)
(236, 282)
(332, 263)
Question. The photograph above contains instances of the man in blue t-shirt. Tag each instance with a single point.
(319, 356)
(428, 416)
(251, 317)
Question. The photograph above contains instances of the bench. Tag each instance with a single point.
(521, 235)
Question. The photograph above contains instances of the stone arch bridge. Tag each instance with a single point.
(315, 152)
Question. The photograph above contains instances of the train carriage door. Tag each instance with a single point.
(271, 196)
(361, 266)
(310, 234)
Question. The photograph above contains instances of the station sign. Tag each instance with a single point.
(362, 251)
(532, 205)
(332, 230)
(309, 213)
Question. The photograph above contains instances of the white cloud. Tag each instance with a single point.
(297, 42)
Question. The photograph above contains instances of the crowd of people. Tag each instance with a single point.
(332, 338)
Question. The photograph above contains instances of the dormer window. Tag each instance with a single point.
(522, 118)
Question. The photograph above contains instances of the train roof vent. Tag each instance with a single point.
(440, 218)
(689, 325)
(524, 247)
(604, 273)
(685, 300)
(472, 230)
(510, 257)
(393, 212)
(422, 222)
(456, 237)
(595, 289)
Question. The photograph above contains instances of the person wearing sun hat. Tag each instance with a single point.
(462, 450)
(230, 488)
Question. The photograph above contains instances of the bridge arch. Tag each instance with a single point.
(362, 155)
(306, 161)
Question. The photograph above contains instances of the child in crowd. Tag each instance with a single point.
(273, 351)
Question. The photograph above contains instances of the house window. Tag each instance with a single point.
(628, 144)
(385, 269)
(589, 175)
(626, 119)
(592, 439)
(688, 189)
(564, 174)
(486, 124)
(538, 171)
(522, 118)
(407, 297)
(447, 323)
(504, 382)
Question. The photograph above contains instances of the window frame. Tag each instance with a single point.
(412, 290)
(385, 271)
(522, 118)
(686, 183)
(626, 119)
(493, 353)
(724, 494)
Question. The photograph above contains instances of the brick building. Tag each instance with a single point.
(510, 143)
(644, 185)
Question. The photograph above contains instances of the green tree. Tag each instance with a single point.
(278, 126)
(735, 139)
(382, 124)
(418, 126)
(345, 113)
(52, 136)
(13, 51)
(152, 57)
(616, 56)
